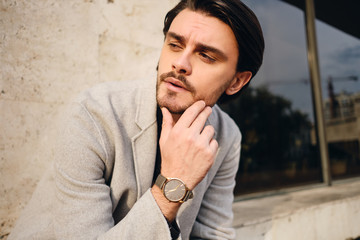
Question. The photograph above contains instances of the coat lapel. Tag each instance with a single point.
(145, 142)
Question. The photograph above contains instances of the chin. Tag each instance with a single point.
(172, 104)
(176, 103)
(172, 107)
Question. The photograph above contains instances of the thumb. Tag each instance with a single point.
(167, 123)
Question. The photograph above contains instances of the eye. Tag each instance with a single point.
(174, 46)
(206, 57)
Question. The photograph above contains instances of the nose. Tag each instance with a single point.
(182, 64)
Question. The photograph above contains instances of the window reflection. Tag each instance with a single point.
(275, 114)
(339, 65)
(276, 148)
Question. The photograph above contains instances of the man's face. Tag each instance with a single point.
(198, 61)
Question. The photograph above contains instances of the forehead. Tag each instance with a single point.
(198, 27)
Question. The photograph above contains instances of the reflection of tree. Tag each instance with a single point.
(274, 135)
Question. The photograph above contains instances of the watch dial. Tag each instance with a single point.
(174, 190)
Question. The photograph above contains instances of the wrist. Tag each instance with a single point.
(169, 209)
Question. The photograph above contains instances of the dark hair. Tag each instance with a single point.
(242, 21)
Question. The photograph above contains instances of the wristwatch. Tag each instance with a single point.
(173, 189)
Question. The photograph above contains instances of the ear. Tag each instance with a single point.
(239, 81)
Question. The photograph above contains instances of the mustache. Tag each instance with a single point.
(179, 77)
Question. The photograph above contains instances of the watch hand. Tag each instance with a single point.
(172, 190)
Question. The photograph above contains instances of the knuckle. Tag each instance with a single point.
(210, 129)
(190, 140)
(209, 153)
(200, 146)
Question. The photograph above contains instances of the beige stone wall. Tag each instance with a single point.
(50, 51)
(316, 213)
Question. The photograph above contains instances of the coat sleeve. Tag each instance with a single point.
(83, 197)
(215, 217)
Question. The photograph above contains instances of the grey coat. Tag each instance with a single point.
(99, 185)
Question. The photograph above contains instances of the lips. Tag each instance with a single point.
(175, 83)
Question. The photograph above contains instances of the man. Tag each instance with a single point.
(111, 180)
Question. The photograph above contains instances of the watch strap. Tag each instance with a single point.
(160, 181)
(189, 195)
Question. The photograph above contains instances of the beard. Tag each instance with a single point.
(169, 98)
(178, 104)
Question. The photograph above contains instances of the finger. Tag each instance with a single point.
(199, 122)
(167, 123)
(190, 114)
(214, 146)
(208, 133)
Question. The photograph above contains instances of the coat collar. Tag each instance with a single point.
(146, 105)
(144, 143)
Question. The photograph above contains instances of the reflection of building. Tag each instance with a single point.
(342, 124)
(342, 118)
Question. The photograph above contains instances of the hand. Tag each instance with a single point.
(187, 148)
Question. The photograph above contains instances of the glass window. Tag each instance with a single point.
(275, 114)
(339, 56)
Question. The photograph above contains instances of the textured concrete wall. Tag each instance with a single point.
(332, 221)
(338, 220)
(49, 52)
(331, 213)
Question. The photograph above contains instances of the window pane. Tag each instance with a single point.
(275, 114)
(339, 55)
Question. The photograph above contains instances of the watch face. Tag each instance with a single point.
(174, 190)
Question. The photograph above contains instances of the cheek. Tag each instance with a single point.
(161, 64)
(212, 79)
(212, 84)
(164, 62)
(209, 90)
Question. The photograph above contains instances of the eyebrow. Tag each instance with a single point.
(199, 46)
